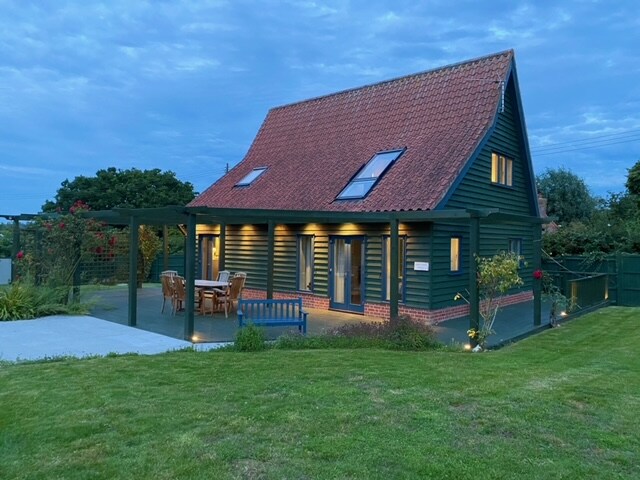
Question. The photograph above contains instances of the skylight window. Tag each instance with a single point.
(250, 177)
(368, 176)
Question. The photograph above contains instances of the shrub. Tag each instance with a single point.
(22, 301)
(17, 303)
(250, 339)
(401, 334)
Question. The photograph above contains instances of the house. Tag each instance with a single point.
(376, 199)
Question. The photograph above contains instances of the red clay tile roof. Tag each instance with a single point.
(313, 148)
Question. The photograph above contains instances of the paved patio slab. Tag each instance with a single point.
(79, 336)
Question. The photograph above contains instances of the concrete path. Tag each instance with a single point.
(79, 336)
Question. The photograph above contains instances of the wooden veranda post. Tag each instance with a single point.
(271, 236)
(165, 247)
(133, 271)
(394, 251)
(474, 294)
(190, 277)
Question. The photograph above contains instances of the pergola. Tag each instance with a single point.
(192, 216)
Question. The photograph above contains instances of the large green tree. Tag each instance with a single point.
(567, 194)
(633, 179)
(132, 188)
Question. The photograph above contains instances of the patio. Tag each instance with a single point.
(111, 304)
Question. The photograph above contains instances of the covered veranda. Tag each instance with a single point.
(111, 304)
(190, 217)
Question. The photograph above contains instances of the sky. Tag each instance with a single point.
(184, 85)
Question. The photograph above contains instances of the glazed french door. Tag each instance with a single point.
(209, 256)
(347, 273)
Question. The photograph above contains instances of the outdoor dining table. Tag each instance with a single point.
(210, 284)
(203, 285)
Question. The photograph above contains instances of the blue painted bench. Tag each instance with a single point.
(272, 313)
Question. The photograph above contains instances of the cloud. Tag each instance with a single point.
(25, 171)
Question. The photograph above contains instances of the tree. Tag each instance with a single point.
(496, 275)
(568, 197)
(6, 240)
(633, 179)
(131, 188)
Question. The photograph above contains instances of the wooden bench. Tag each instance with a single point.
(272, 313)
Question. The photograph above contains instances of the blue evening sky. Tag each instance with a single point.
(184, 85)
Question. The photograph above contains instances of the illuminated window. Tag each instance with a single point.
(455, 254)
(305, 262)
(501, 169)
(368, 176)
(250, 177)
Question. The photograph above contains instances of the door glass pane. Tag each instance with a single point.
(339, 270)
(210, 258)
(215, 257)
(356, 271)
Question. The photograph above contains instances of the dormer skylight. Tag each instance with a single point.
(369, 175)
(250, 177)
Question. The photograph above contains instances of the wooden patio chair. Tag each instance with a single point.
(167, 291)
(179, 293)
(233, 293)
(213, 294)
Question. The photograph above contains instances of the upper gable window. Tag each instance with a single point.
(368, 176)
(250, 177)
(501, 169)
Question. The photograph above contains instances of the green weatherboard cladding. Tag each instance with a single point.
(246, 250)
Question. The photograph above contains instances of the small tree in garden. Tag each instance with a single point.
(496, 276)
(148, 249)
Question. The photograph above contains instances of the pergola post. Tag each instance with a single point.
(15, 249)
(537, 265)
(393, 274)
(271, 241)
(133, 271)
(165, 247)
(189, 277)
(474, 294)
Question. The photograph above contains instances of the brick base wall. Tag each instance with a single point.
(381, 310)
(309, 300)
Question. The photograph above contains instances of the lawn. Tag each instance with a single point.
(562, 404)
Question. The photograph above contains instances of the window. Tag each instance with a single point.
(501, 169)
(305, 262)
(250, 177)
(386, 285)
(515, 247)
(455, 254)
(368, 176)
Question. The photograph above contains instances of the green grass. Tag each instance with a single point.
(563, 404)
